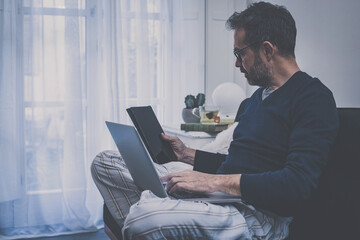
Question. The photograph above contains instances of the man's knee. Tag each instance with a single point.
(104, 163)
(96, 166)
(156, 218)
(105, 159)
(144, 220)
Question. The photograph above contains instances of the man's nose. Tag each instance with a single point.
(238, 63)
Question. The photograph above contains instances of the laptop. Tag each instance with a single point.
(143, 172)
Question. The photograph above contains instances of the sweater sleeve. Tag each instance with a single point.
(314, 124)
(207, 162)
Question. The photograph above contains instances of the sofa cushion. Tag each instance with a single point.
(333, 212)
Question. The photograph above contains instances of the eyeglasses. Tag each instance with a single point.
(237, 52)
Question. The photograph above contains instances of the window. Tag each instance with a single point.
(68, 66)
(55, 33)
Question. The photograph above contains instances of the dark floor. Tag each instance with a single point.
(99, 235)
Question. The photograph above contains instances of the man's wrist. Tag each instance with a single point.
(189, 156)
(228, 183)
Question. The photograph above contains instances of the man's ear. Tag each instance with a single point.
(269, 50)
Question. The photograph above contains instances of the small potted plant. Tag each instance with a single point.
(190, 113)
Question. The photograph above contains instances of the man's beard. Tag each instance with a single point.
(259, 74)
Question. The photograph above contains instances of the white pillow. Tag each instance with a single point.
(222, 141)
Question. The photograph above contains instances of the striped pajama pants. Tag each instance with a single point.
(145, 216)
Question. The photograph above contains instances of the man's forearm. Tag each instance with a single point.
(228, 183)
(194, 181)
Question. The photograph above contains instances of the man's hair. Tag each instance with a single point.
(266, 22)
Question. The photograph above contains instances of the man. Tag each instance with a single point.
(279, 151)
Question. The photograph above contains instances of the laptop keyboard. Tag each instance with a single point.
(186, 195)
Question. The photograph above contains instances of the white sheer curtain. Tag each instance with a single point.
(10, 134)
(66, 67)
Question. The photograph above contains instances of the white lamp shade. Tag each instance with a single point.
(228, 97)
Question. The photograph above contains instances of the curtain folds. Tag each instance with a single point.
(66, 67)
(10, 136)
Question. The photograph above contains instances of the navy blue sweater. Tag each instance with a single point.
(280, 145)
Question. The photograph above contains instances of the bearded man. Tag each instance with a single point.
(280, 148)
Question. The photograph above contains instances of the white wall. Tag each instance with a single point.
(189, 51)
(219, 59)
(327, 45)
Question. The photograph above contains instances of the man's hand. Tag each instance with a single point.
(193, 181)
(182, 153)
